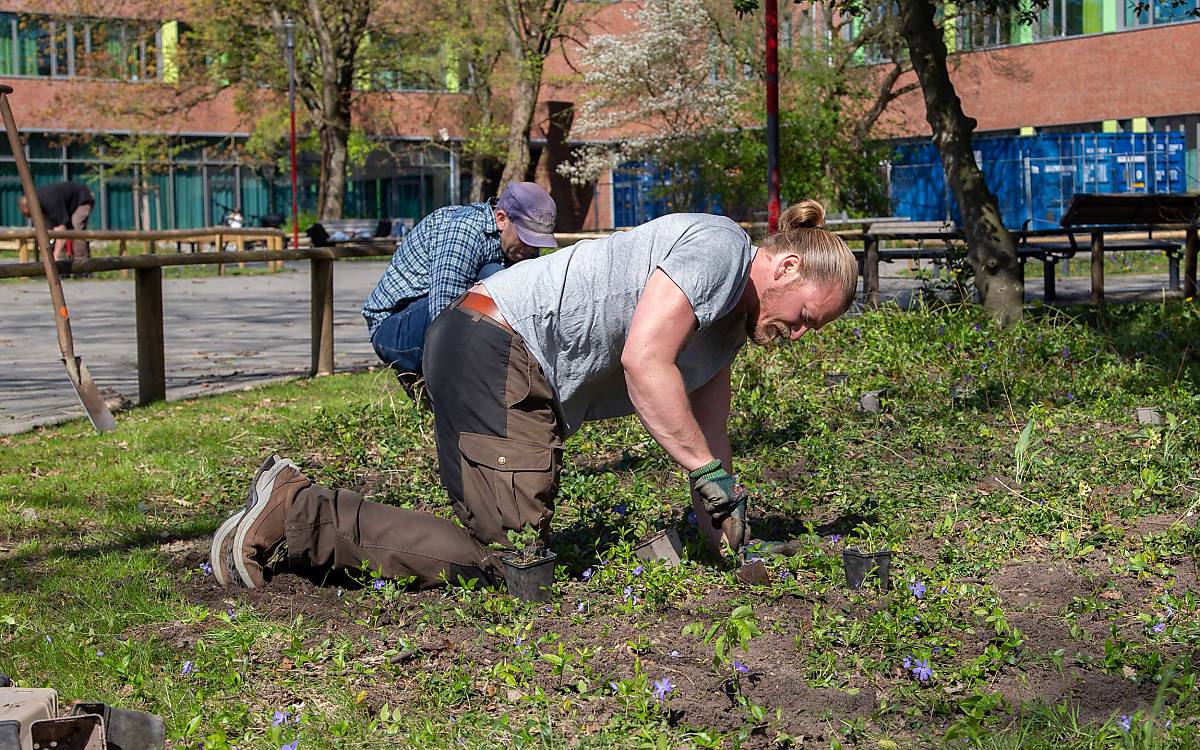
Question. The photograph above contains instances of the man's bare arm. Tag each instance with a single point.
(662, 324)
(710, 404)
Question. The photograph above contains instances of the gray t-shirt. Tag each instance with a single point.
(574, 307)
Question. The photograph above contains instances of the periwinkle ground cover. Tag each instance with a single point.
(1059, 610)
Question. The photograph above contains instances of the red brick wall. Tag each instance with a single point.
(1148, 73)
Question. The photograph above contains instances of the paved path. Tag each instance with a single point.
(224, 333)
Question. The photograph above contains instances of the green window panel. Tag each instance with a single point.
(7, 50)
(118, 201)
(10, 193)
(189, 197)
(256, 198)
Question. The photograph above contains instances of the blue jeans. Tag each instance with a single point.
(400, 338)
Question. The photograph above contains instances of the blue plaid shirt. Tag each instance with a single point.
(441, 257)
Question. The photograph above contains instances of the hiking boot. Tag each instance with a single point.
(220, 554)
(259, 542)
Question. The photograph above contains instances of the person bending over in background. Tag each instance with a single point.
(448, 251)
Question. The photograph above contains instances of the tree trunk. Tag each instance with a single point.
(334, 158)
(990, 247)
(516, 163)
(477, 179)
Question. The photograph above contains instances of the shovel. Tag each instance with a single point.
(81, 379)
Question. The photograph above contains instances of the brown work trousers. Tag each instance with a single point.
(499, 456)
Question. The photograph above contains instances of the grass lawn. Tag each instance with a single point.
(1044, 569)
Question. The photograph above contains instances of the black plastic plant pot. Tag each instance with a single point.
(861, 566)
(529, 580)
(663, 547)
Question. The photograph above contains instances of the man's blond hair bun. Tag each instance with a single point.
(806, 213)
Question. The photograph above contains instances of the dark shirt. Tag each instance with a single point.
(61, 199)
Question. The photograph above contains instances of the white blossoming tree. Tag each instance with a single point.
(688, 84)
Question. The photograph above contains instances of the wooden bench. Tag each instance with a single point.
(1097, 213)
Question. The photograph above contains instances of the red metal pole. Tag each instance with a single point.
(290, 43)
(772, 18)
(295, 193)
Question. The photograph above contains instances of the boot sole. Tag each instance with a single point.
(216, 560)
(214, 554)
(260, 494)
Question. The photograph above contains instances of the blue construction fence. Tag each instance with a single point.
(1034, 177)
(641, 192)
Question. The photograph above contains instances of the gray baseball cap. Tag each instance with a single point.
(532, 211)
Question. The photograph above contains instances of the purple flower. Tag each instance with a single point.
(941, 330)
(206, 568)
(858, 333)
(99, 653)
(977, 328)
(738, 666)
(615, 687)
(1066, 352)
(1124, 722)
(691, 517)
(587, 574)
(921, 669)
(188, 668)
(785, 574)
(674, 654)
(917, 588)
(835, 538)
(662, 688)
(1160, 627)
(629, 597)
(280, 718)
(639, 570)
(908, 662)
(620, 509)
(230, 612)
(379, 583)
(291, 745)
(1070, 396)
(581, 607)
(942, 590)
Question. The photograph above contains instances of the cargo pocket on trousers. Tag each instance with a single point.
(508, 484)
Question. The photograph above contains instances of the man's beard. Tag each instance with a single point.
(768, 331)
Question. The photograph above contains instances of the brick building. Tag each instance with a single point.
(1087, 66)
(49, 53)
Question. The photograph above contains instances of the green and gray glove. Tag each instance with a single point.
(723, 499)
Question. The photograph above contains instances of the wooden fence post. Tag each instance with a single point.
(22, 251)
(239, 244)
(871, 272)
(322, 316)
(1189, 262)
(152, 368)
(1098, 267)
(121, 254)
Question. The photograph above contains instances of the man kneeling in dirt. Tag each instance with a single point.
(646, 321)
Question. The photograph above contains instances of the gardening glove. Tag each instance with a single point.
(723, 499)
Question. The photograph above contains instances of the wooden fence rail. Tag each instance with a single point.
(218, 237)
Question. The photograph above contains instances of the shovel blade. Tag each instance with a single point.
(89, 395)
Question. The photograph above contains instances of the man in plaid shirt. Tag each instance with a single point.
(446, 253)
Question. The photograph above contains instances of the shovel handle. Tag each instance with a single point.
(62, 320)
